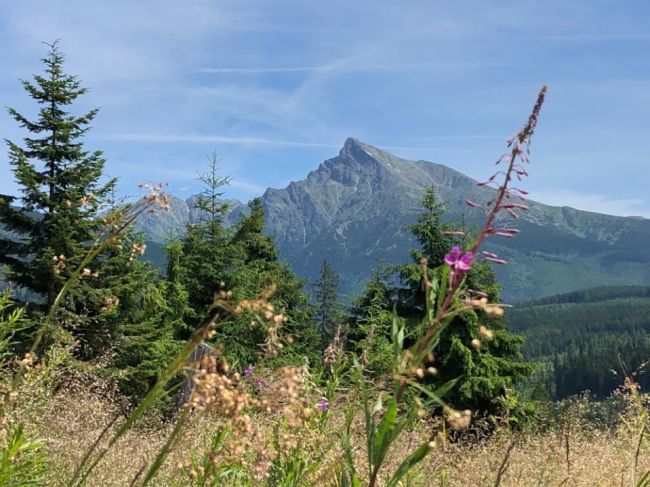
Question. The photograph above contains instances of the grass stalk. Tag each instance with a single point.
(172, 369)
(164, 451)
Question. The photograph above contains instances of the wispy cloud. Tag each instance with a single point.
(247, 186)
(282, 82)
(422, 149)
(461, 137)
(591, 37)
(258, 141)
(599, 203)
(357, 65)
(208, 139)
(287, 69)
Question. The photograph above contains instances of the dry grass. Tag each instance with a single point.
(72, 418)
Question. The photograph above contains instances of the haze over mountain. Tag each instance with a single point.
(353, 210)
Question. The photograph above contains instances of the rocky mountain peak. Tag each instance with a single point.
(351, 148)
(353, 210)
(354, 150)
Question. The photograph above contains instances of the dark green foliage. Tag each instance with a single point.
(144, 323)
(429, 229)
(326, 295)
(587, 340)
(485, 373)
(242, 261)
(258, 267)
(371, 322)
(57, 221)
(600, 363)
(206, 260)
(593, 295)
(118, 304)
(54, 173)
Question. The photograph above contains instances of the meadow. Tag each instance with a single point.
(222, 371)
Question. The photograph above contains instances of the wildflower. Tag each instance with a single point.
(109, 303)
(476, 344)
(459, 421)
(458, 260)
(485, 332)
(29, 360)
(334, 350)
(323, 405)
(248, 373)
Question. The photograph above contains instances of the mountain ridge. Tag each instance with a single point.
(353, 210)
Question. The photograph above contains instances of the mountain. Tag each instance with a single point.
(159, 226)
(353, 210)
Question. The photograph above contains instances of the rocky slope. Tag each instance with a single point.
(353, 210)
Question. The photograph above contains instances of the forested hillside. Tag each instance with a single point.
(587, 340)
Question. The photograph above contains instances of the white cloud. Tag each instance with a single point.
(208, 139)
(593, 37)
(288, 69)
(358, 65)
(598, 203)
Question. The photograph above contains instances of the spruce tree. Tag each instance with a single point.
(206, 259)
(485, 372)
(55, 217)
(151, 311)
(258, 266)
(429, 229)
(243, 261)
(370, 325)
(142, 319)
(326, 296)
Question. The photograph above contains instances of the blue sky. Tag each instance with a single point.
(275, 87)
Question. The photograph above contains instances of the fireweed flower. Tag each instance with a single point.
(459, 261)
(323, 405)
(248, 373)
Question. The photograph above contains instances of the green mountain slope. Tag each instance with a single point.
(354, 207)
(588, 339)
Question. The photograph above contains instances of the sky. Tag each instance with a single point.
(275, 87)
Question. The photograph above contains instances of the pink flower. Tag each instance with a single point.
(248, 373)
(458, 260)
(323, 405)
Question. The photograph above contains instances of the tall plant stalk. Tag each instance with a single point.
(437, 316)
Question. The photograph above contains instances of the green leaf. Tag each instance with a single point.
(437, 394)
(385, 433)
(408, 463)
(441, 294)
(351, 479)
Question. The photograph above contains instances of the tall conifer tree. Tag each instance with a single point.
(326, 295)
(55, 217)
(206, 259)
(258, 266)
